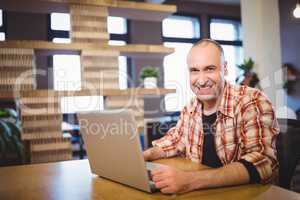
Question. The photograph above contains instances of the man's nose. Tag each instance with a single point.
(201, 79)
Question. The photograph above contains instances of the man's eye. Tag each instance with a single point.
(194, 70)
(209, 69)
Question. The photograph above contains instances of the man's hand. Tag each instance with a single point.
(154, 153)
(170, 180)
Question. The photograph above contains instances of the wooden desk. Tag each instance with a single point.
(73, 180)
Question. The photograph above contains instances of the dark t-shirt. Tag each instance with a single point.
(210, 157)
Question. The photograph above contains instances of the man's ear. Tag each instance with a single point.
(225, 68)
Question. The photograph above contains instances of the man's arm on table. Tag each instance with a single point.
(172, 180)
(154, 153)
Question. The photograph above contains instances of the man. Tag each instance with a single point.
(229, 128)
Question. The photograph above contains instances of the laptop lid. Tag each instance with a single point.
(113, 147)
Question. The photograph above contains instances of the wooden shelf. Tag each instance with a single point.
(107, 92)
(135, 50)
(128, 9)
(127, 50)
(141, 11)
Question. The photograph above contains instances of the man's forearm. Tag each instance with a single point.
(228, 175)
(154, 153)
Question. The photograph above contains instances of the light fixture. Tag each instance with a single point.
(296, 11)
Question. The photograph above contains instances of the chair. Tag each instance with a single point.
(288, 150)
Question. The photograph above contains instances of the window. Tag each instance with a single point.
(181, 27)
(2, 26)
(117, 28)
(228, 33)
(1, 18)
(67, 76)
(116, 25)
(67, 72)
(234, 56)
(60, 27)
(179, 32)
(176, 75)
(223, 29)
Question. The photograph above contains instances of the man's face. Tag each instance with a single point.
(206, 72)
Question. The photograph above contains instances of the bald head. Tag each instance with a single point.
(208, 42)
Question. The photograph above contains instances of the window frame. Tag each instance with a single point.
(124, 37)
(183, 40)
(238, 43)
(3, 28)
(56, 33)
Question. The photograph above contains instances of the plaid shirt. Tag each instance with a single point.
(245, 128)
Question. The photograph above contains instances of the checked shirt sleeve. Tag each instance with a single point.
(173, 142)
(259, 129)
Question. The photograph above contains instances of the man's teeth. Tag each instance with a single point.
(206, 87)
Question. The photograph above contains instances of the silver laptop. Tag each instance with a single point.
(113, 148)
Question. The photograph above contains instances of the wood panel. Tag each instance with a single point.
(126, 50)
(93, 17)
(41, 128)
(100, 69)
(16, 69)
(107, 92)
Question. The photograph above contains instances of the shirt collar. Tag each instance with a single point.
(226, 105)
(227, 101)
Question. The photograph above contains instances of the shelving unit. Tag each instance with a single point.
(40, 109)
(126, 50)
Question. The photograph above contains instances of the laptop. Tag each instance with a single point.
(114, 150)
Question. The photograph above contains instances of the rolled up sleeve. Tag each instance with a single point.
(173, 142)
(259, 130)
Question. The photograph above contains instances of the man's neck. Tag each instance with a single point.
(210, 107)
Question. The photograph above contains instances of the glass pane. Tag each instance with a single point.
(81, 103)
(2, 36)
(67, 72)
(234, 57)
(61, 40)
(123, 72)
(181, 27)
(116, 42)
(116, 25)
(1, 17)
(222, 29)
(176, 75)
(60, 21)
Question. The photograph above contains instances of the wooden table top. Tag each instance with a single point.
(73, 180)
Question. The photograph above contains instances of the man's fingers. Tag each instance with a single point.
(167, 190)
(158, 177)
(161, 184)
(160, 170)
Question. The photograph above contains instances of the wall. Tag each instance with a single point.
(261, 33)
(26, 26)
(290, 40)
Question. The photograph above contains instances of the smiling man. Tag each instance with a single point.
(230, 128)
